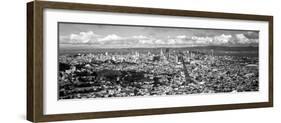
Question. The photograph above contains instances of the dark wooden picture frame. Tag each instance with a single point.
(35, 60)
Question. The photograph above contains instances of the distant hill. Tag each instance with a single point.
(218, 50)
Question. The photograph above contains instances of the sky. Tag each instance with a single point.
(147, 36)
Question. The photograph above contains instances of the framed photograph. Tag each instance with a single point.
(89, 61)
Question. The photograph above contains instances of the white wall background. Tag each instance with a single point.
(13, 61)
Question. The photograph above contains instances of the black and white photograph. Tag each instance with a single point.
(107, 60)
(94, 60)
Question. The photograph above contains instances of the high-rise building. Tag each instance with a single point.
(113, 58)
(167, 53)
(176, 59)
(162, 56)
(137, 54)
(161, 52)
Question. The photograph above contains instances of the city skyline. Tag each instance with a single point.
(121, 36)
(104, 61)
(107, 73)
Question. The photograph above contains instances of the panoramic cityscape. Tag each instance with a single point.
(102, 61)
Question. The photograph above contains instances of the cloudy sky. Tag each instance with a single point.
(141, 36)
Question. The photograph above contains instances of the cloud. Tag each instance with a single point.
(243, 39)
(226, 39)
(234, 39)
(172, 41)
(145, 41)
(82, 37)
(181, 36)
(252, 35)
(159, 41)
(222, 39)
(139, 37)
(110, 37)
(202, 40)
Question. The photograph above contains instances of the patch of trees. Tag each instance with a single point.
(63, 66)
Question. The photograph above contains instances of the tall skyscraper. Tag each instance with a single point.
(161, 52)
(162, 56)
(167, 53)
